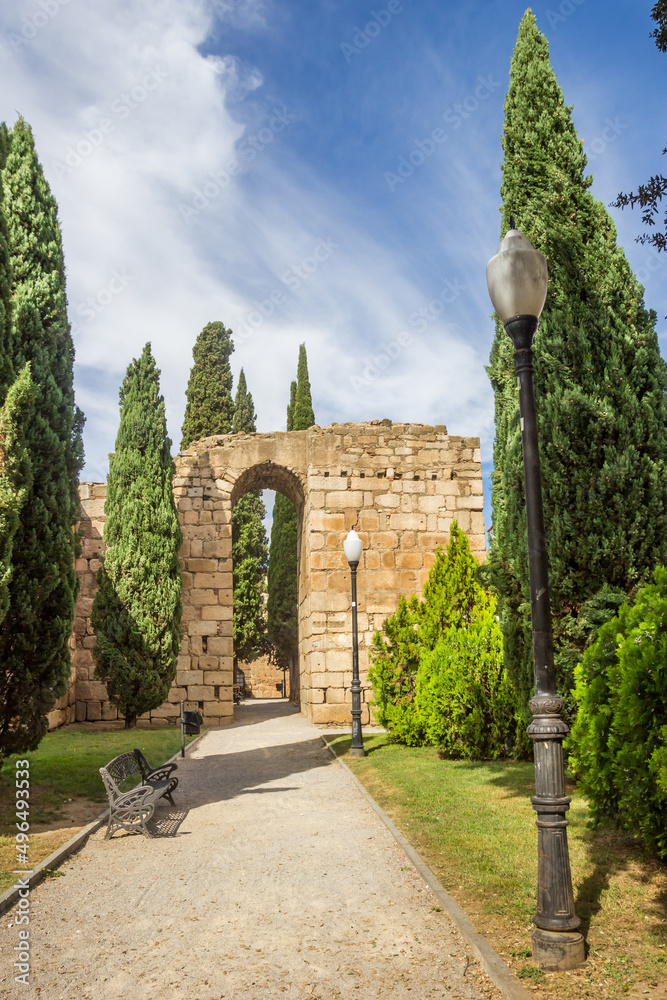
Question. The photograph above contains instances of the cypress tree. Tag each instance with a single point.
(599, 382)
(210, 406)
(15, 467)
(250, 551)
(137, 609)
(34, 636)
(282, 607)
(15, 475)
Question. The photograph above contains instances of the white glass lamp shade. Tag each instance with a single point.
(353, 547)
(517, 278)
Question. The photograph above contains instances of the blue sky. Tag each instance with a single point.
(323, 171)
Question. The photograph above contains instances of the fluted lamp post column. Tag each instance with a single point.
(353, 547)
(517, 279)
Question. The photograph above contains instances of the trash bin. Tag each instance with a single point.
(191, 722)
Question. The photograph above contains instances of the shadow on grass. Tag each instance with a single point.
(610, 851)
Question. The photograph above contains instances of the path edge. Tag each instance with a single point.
(11, 896)
(486, 955)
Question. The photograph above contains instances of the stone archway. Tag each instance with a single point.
(401, 484)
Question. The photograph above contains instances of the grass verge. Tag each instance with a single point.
(473, 824)
(66, 790)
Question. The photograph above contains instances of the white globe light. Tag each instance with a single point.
(517, 278)
(353, 547)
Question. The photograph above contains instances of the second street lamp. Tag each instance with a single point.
(353, 547)
(517, 279)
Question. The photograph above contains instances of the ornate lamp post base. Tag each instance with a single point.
(557, 951)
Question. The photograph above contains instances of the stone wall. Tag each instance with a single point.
(401, 485)
(262, 679)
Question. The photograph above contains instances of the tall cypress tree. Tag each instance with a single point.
(282, 586)
(282, 578)
(599, 383)
(210, 406)
(137, 609)
(15, 466)
(15, 476)
(250, 550)
(34, 636)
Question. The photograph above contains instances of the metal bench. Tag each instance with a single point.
(131, 809)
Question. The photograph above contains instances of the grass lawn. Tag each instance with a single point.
(66, 789)
(474, 826)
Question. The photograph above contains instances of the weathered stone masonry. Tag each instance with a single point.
(402, 485)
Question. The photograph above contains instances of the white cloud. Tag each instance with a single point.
(174, 214)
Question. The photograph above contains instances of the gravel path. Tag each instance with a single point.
(271, 878)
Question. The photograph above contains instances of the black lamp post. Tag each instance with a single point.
(517, 280)
(353, 547)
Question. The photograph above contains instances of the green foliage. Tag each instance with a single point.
(394, 654)
(34, 636)
(437, 666)
(249, 550)
(137, 610)
(282, 606)
(15, 472)
(464, 701)
(650, 194)
(302, 406)
(618, 744)
(599, 383)
(210, 407)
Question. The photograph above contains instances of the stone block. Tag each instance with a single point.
(388, 560)
(410, 580)
(470, 503)
(371, 560)
(80, 713)
(165, 712)
(320, 521)
(184, 678)
(218, 677)
(202, 566)
(215, 581)
(93, 711)
(177, 694)
(221, 646)
(340, 499)
(409, 522)
(329, 601)
(328, 559)
(388, 500)
(383, 540)
(91, 690)
(202, 628)
(200, 598)
(409, 560)
(328, 714)
(109, 712)
(384, 579)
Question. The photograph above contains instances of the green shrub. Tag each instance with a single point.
(618, 744)
(464, 702)
(437, 666)
(394, 662)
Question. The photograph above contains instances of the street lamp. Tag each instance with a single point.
(353, 547)
(517, 280)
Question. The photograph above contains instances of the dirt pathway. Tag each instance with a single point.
(272, 877)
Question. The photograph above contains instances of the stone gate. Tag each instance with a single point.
(401, 485)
